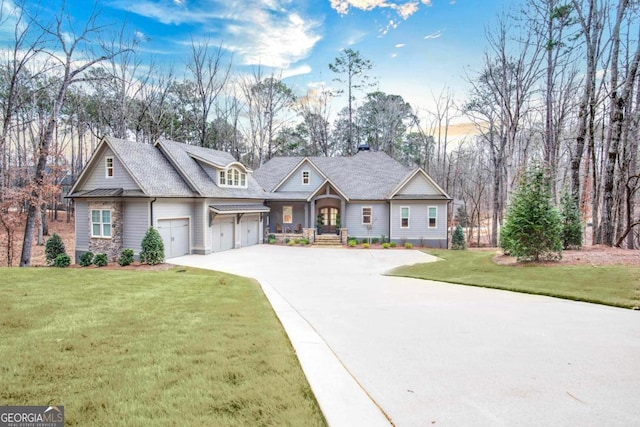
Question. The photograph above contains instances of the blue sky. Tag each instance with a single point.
(416, 46)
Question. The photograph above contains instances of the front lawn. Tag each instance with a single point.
(616, 285)
(133, 348)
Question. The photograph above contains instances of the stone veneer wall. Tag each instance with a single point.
(110, 246)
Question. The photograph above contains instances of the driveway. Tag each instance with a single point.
(430, 353)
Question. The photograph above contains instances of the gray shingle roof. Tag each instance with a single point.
(150, 169)
(179, 155)
(366, 176)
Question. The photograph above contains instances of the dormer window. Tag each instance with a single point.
(305, 178)
(108, 164)
(232, 178)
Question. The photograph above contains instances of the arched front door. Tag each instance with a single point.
(330, 216)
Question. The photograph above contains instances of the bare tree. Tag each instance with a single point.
(210, 77)
(72, 69)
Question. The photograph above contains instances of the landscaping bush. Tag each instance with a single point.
(304, 241)
(393, 244)
(375, 240)
(100, 260)
(53, 247)
(385, 246)
(152, 247)
(86, 259)
(291, 242)
(352, 243)
(126, 257)
(271, 241)
(62, 260)
(365, 245)
(408, 245)
(457, 240)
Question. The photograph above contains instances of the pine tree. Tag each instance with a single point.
(457, 240)
(533, 229)
(152, 247)
(53, 247)
(571, 223)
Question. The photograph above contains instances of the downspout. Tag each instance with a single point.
(151, 211)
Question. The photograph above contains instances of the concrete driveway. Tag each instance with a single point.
(427, 353)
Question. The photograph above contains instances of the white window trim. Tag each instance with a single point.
(429, 217)
(370, 215)
(308, 177)
(408, 208)
(101, 235)
(107, 168)
(283, 214)
(230, 181)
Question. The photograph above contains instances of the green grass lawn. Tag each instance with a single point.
(616, 285)
(180, 347)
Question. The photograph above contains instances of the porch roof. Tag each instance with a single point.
(240, 208)
(107, 192)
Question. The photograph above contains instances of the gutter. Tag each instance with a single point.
(151, 211)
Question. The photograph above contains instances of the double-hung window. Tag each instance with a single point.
(404, 217)
(108, 165)
(305, 178)
(100, 223)
(222, 178)
(433, 217)
(366, 216)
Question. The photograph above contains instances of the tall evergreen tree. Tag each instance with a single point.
(533, 229)
(571, 224)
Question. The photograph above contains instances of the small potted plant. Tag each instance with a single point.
(338, 224)
(319, 222)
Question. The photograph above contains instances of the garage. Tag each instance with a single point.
(175, 236)
(249, 230)
(222, 233)
(228, 219)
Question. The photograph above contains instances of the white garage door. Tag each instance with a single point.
(249, 230)
(175, 235)
(222, 233)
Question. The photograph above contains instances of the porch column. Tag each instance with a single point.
(312, 214)
(306, 215)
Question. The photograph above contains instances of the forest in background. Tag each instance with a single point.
(559, 85)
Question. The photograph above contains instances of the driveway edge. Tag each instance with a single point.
(342, 400)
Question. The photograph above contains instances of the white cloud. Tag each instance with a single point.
(400, 45)
(404, 9)
(435, 35)
(273, 41)
(296, 71)
(272, 33)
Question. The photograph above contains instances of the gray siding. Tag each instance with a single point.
(419, 185)
(294, 183)
(82, 225)
(136, 223)
(200, 224)
(380, 219)
(418, 221)
(210, 171)
(275, 216)
(97, 177)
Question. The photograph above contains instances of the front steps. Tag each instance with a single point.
(327, 240)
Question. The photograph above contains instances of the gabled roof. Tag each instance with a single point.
(366, 176)
(145, 164)
(168, 169)
(440, 193)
